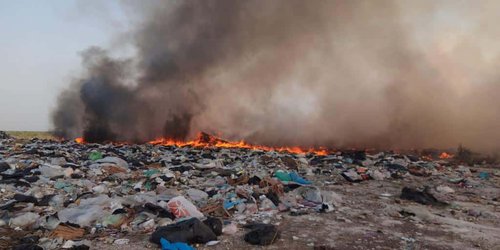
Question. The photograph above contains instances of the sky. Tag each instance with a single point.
(40, 45)
(451, 48)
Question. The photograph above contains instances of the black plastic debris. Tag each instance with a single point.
(76, 176)
(356, 155)
(4, 166)
(44, 201)
(190, 231)
(8, 206)
(80, 247)
(30, 239)
(212, 192)
(160, 211)
(262, 234)
(27, 247)
(31, 179)
(16, 183)
(215, 224)
(395, 167)
(405, 213)
(25, 198)
(273, 197)
(298, 212)
(254, 180)
(182, 168)
(120, 211)
(422, 197)
(325, 208)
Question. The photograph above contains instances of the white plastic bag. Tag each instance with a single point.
(183, 208)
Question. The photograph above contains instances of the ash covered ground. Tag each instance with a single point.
(78, 196)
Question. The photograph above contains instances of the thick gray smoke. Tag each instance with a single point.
(398, 74)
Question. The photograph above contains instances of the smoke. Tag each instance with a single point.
(398, 74)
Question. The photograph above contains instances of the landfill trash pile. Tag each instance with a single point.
(78, 196)
(4, 135)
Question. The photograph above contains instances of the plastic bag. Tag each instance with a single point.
(182, 208)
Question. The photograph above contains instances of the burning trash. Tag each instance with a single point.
(445, 155)
(243, 124)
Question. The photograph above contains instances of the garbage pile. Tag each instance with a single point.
(4, 135)
(68, 195)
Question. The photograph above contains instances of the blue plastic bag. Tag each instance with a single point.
(166, 245)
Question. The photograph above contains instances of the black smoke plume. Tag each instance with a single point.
(293, 72)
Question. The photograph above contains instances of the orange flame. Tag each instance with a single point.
(445, 155)
(205, 140)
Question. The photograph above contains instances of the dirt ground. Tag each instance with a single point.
(369, 220)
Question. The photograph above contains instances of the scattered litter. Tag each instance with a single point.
(67, 232)
(121, 242)
(445, 189)
(66, 193)
(484, 176)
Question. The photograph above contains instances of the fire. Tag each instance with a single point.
(445, 155)
(205, 140)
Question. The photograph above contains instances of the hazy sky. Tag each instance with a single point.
(40, 42)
